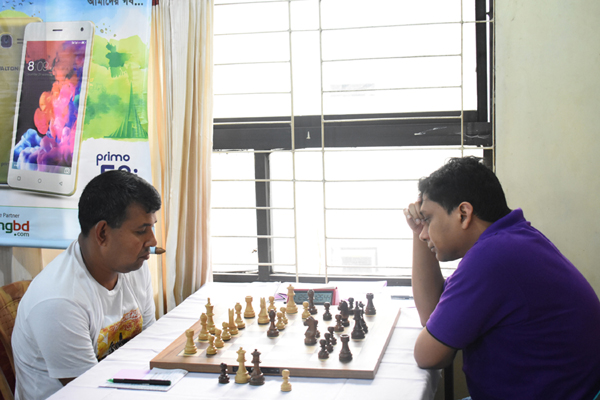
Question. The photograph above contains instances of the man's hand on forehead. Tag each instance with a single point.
(413, 214)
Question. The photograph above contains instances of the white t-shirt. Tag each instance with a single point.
(67, 322)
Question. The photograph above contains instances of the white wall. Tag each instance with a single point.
(548, 120)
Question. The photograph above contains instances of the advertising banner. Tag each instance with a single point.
(73, 96)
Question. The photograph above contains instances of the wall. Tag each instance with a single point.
(548, 119)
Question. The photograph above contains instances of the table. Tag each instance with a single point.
(398, 376)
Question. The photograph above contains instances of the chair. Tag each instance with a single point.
(10, 296)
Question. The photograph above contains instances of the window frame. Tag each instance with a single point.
(266, 134)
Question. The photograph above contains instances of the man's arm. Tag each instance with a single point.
(61, 330)
(430, 353)
(427, 279)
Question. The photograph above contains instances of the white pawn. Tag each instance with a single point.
(305, 313)
(286, 386)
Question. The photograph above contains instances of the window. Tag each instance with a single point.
(326, 115)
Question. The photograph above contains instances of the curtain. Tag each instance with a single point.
(180, 129)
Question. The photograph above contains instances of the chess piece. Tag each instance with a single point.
(311, 302)
(203, 327)
(306, 312)
(210, 324)
(218, 340)
(233, 329)
(280, 324)
(323, 353)
(271, 304)
(190, 347)
(327, 315)
(370, 309)
(249, 311)
(357, 332)
(273, 331)
(239, 322)
(283, 311)
(310, 336)
(363, 323)
(291, 307)
(339, 327)
(226, 335)
(241, 375)
(263, 317)
(344, 312)
(345, 354)
(223, 377)
(257, 378)
(286, 386)
(350, 303)
(329, 345)
(331, 329)
(211, 350)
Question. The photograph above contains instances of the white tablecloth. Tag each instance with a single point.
(398, 376)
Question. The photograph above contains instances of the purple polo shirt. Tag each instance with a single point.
(527, 320)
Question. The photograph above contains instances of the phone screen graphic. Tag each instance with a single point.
(46, 129)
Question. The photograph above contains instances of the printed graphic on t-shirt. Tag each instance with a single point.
(116, 335)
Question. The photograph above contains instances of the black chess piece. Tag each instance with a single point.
(357, 332)
(370, 309)
(328, 339)
(350, 303)
(273, 331)
(345, 354)
(344, 312)
(310, 336)
(327, 315)
(363, 323)
(311, 302)
(257, 378)
(323, 353)
(331, 329)
(339, 326)
(223, 377)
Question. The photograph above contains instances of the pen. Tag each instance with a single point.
(157, 382)
(157, 250)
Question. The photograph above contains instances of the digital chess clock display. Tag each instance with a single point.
(321, 296)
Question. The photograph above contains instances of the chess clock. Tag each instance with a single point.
(322, 296)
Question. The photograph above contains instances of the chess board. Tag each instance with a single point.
(288, 351)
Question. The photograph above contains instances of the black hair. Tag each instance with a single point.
(108, 195)
(466, 179)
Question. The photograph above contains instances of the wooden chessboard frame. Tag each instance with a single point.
(367, 353)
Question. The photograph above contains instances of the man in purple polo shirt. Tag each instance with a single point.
(526, 319)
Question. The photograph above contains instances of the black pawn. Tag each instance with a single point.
(345, 354)
(223, 378)
(350, 303)
(328, 342)
(323, 353)
(327, 315)
(311, 302)
(370, 309)
(257, 378)
(331, 329)
(339, 327)
(273, 331)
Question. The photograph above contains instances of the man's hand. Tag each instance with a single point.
(413, 216)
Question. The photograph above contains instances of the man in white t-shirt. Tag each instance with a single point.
(96, 295)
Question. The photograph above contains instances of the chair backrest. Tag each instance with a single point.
(10, 296)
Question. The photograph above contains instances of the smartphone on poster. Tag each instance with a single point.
(50, 106)
(11, 51)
